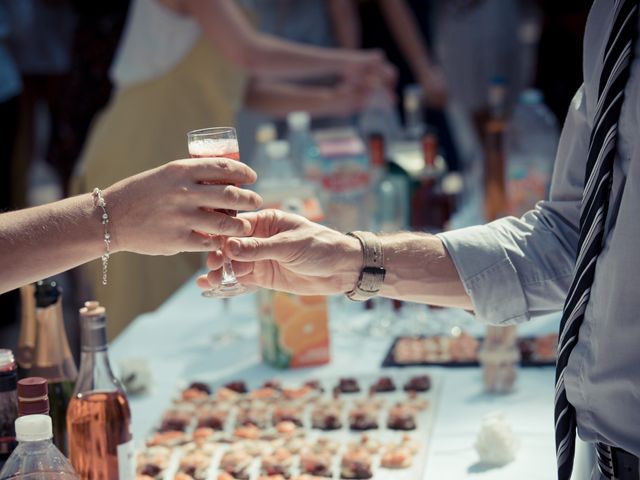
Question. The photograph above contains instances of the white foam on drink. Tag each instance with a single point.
(209, 147)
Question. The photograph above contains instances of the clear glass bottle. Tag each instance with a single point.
(52, 358)
(265, 133)
(414, 125)
(99, 418)
(8, 404)
(303, 150)
(36, 457)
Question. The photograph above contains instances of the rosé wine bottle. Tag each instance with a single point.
(98, 418)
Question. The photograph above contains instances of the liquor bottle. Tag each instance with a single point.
(495, 188)
(36, 457)
(303, 150)
(265, 133)
(33, 396)
(99, 419)
(414, 125)
(8, 404)
(28, 327)
(389, 191)
(52, 357)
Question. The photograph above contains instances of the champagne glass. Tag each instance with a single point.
(219, 142)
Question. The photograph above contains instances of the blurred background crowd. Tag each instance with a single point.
(404, 90)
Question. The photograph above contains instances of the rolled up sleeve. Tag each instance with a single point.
(517, 268)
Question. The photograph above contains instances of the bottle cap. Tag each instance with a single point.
(277, 149)
(33, 428)
(33, 396)
(298, 120)
(92, 308)
(47, 293)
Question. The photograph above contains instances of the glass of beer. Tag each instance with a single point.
(218, 142)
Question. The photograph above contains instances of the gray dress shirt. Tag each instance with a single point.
(515, 269)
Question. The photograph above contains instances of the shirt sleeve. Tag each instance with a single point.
(516, 268)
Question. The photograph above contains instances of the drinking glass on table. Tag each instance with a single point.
(219, 142)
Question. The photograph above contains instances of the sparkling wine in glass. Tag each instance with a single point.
(219, 142)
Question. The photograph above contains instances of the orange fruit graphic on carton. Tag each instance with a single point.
(294, 329)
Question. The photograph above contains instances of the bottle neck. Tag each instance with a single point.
(95, 368)
(52, 358)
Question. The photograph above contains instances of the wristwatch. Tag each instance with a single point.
(373, 272)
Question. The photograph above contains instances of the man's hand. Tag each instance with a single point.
(170, 209)
(290, 253)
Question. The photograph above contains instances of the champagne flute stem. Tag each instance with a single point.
(228, 275)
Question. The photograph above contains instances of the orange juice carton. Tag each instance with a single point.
(294, 330)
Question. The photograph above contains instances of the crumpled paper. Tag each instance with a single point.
(496, 443)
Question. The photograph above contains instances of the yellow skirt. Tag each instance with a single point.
(145, 126)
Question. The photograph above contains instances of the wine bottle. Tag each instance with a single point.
(52, 357)
(99, 419)
(8, 404)
(495, 186)
(28, 327)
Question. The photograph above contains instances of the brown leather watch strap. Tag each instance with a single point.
(373, 272)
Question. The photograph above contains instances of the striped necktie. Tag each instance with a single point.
(595, 201)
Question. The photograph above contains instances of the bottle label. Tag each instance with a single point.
(126, 461)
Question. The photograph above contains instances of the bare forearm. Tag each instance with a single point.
(280, 98)
(346, 24)
(407, 34)
(420, 269)
(226, 26)
(42, 241)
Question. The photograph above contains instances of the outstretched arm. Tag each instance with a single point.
(506, 271)
(278, 98)
(287, 252)
(412, 44)
(158, 212)
(226, 26)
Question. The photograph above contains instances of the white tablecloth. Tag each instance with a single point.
(176, 341)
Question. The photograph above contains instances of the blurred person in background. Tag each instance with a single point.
(187, 64)
(403, 30)
(312, 22)
(10, 87)
(478, 41)
(41, 35)
(95, 40)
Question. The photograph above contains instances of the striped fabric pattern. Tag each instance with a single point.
(595, 202)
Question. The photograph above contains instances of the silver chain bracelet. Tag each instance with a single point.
(98, 201)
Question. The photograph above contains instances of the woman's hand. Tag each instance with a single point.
(172, 208)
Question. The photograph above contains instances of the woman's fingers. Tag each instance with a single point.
(225, 196)
(217, 223)
(217, 170)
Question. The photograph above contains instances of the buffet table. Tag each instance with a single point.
(176, 343)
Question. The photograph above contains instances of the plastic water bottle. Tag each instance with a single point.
(265, 133)
(379, 116)
(36, 457)
(531, 140)
(303, 151)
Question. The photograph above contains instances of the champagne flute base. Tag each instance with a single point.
(226, 290)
